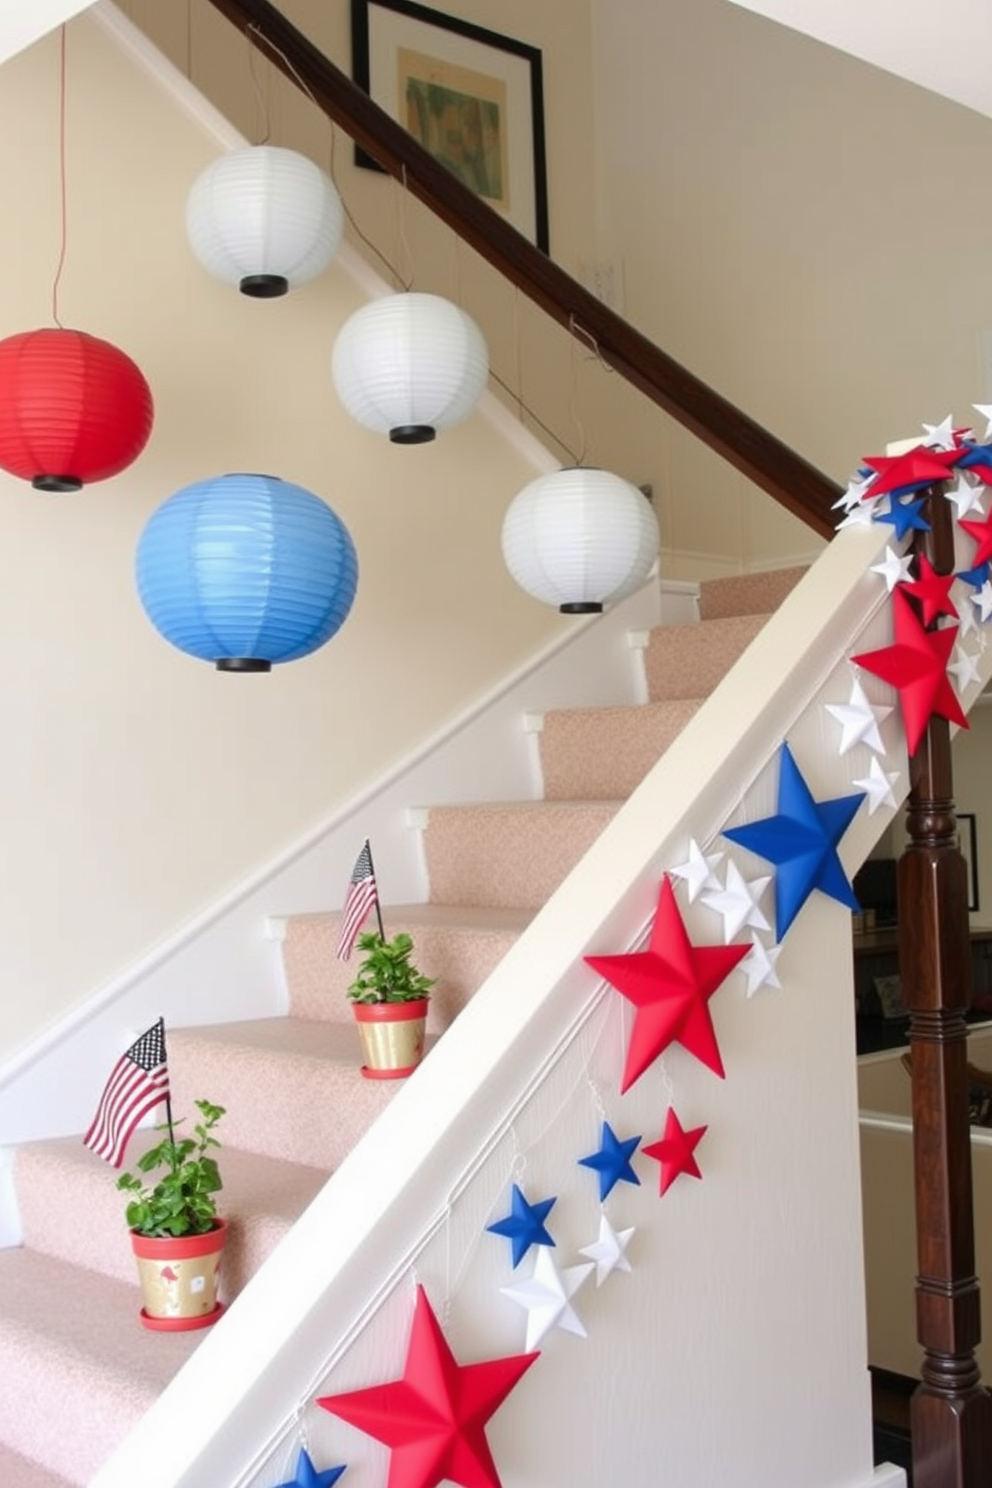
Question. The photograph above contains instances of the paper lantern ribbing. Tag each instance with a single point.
(73, 409)
(264, 219)
(246, 571)
(409, 364)
(579, 538)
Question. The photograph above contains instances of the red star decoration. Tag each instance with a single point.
(434, 1417)
(933, 590)
(670, 984)
(916, 665)
(982, 533)
(916, 467)
(674, 1151)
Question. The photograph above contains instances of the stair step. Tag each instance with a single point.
(293, 1087)
(513, 855)
(601, 753)
(59, 1180)
(22, 1472)
(746, 594)
(458, 946)
(78, 1367)
(689, 661)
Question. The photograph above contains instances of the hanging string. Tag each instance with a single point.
(62, 189)
(400, 195)
(331, 171)
(261, 99)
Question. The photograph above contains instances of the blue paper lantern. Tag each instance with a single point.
(246, 571)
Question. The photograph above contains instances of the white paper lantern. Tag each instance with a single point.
(409, 364)
(580, 538)
(264, 219)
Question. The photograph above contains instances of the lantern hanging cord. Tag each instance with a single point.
(526, 408)
(62, 193)
(263, 40)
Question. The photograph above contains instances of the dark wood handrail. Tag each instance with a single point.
(757, 454)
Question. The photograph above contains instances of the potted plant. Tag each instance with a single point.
(176, 1233)
(389, 998)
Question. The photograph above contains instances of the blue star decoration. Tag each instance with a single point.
(524, 1225)
(976, 577)
(307, 1476)
(905, 516)
(801, 840)
(612, 1161)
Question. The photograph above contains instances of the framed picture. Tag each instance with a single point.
(473, 98)
(968, 843)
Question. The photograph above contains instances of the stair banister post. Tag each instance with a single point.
(951, 1412)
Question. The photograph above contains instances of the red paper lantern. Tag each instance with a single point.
(73, 409)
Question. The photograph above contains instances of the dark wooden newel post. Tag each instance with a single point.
(951, 1409)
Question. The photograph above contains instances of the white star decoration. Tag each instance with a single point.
(985, 409)
(857, 489)
(983, 601)
(894, 569)
(759, 966)
(964, 668)
(877, 786)
(546, 1297)
(608, 1251)
(863, 513)
(966, 495)
(859, 720)
(737, 902)
(940, 436)
(966, 616)
(698, 873)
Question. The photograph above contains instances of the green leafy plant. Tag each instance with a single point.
(182, 1201)
(387, 973)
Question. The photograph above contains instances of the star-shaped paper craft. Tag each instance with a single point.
(434, 1418)
(905, 515)
(944, 436)
(674, 1151)
(917, 467)
(612, 1161)
(737, 902)
(670, 985)
(698, 872)
(547, 1297)
(932, 590)
(877, 786)
(983, 601)
(609, 1251)
(759, 966)
(977, 576)
(307, 1476)
(858, 488)
(894, 569)
(985, 409)
(801, 840)
(916, 666)
(982, 533)
(978, 459)
(524, 1225)
(864, 513)
(965, 494)
(964, 668)
(859, 720)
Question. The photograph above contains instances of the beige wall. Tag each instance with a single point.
(137, 785)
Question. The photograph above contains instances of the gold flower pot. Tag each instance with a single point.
(392, 1037)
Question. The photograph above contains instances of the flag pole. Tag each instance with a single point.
(168, 1093)
(378, 907)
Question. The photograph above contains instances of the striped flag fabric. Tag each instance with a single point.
(362, 896)
(138, 1081)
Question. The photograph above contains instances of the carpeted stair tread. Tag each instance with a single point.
(746, 594)
(23, 1472)
(293, 1087)
(79, 1369)
(602, 753)
(512, 854)
(689, 661)
(60, 1179)
(457, 945)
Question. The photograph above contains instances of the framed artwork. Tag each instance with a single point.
(473, 98)
(968, 843)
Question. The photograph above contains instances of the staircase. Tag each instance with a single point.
(69, 1331)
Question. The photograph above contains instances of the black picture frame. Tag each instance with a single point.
(968, 843)
(477, 96)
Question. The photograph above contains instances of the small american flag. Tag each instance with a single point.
(361, 897)
(138, 1081)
